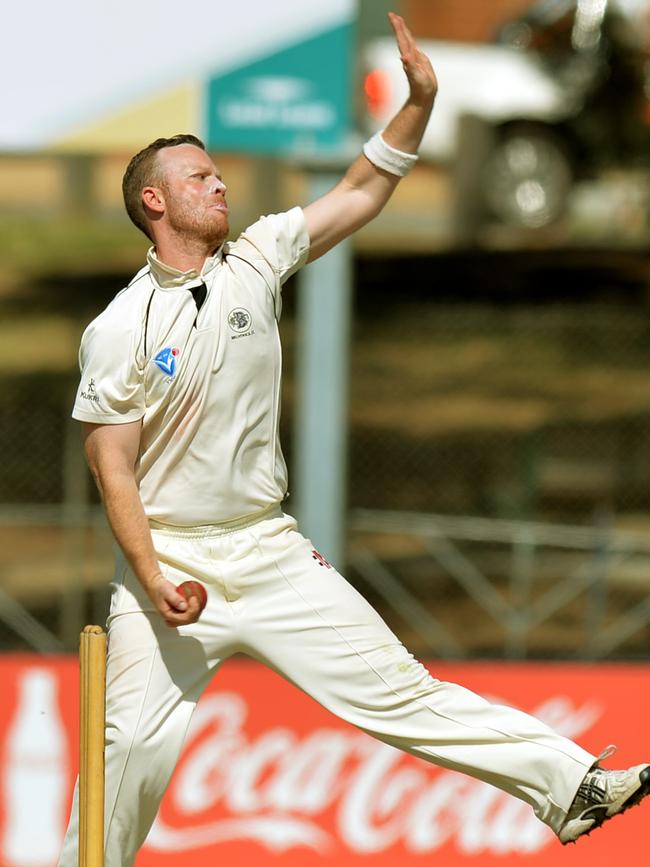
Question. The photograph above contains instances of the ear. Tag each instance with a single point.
(153, 201)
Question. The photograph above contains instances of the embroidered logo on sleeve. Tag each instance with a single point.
(166, 360)
(241, 322)
(91, 392)
(316, 555)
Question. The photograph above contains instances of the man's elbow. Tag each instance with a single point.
(94, 472)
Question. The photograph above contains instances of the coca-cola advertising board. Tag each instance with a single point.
(269, 777)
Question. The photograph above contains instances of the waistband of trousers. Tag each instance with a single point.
(203, 531)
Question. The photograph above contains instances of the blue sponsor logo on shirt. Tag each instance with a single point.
(166, 360)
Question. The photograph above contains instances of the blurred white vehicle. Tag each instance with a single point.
(562, 91)
(494, 82)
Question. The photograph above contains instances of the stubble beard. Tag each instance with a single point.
(208, 230)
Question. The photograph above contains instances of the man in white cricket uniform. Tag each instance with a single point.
(179, 400)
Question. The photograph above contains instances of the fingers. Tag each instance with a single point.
(174, 599)
(173, 617)
(417, 66)
(404, 37)
(174, 608)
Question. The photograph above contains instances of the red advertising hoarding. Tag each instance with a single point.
(269, 777)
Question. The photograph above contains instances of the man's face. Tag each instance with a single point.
(195, 200)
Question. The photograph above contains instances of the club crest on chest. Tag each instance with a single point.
(241, 322)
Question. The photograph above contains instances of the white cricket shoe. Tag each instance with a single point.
(601, 795)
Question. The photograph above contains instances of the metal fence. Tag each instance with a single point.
(499, 484)
(519, 435)
(476, 587)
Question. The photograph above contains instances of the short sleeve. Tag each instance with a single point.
(111, 390)
(282, 240)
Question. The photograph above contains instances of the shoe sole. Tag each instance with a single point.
(614, 809)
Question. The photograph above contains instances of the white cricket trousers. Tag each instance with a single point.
(270, 597)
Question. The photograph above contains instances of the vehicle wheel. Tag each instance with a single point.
(527, 177)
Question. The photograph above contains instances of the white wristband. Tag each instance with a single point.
(388, 158)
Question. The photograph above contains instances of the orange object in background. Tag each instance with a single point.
(377, 87)
(462, 20)
(269, 777)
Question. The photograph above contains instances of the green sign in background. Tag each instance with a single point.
(297, 101)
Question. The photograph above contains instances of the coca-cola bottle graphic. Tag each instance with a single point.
(34, 775)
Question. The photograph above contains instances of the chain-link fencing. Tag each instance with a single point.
(499, 484)
(500, 476)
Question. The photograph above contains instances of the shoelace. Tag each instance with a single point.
(590, 790)
(606, 753)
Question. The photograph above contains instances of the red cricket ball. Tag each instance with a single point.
(196, 589)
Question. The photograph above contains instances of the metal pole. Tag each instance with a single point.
(74, 510)
(322, 389)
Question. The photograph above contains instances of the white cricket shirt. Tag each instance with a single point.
(206, 386)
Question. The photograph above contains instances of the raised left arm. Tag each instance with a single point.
(366, 187)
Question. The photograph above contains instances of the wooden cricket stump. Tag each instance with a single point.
(92, 703)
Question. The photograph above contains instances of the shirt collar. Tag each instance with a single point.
(168, 277)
